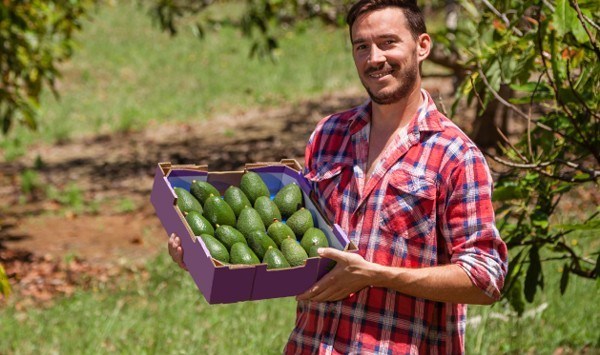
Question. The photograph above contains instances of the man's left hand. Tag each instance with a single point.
(351, 273)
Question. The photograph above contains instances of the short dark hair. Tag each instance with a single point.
(412, 12)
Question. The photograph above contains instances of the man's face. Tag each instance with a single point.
(386, 55)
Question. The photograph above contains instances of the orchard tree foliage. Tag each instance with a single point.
(35, 35)
(261, 20)
(547, 53)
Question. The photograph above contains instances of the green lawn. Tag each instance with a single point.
(166, 314)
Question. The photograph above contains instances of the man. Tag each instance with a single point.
(412, 192)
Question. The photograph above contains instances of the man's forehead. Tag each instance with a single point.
(387, 20)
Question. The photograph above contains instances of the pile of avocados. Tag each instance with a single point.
(246, 226)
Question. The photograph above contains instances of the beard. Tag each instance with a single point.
(405, 77)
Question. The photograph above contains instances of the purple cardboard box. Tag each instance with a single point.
(221, 283)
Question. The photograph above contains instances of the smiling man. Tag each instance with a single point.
(412, 192)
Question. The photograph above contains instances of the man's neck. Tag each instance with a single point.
(386, 120)
(398, 114)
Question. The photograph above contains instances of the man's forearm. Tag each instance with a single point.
(448, 283)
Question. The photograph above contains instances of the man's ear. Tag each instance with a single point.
(423, 46)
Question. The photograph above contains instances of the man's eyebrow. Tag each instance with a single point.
(382, 36)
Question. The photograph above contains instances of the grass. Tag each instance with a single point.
(164, 314)
(126, 73)
(161, 311)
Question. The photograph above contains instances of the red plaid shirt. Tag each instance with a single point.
(427, 203)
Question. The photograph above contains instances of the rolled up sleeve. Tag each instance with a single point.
(469, 225)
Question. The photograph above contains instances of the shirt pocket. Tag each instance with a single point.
(408, 209)
(327, 187)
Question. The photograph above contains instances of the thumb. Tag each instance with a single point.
(332, 253)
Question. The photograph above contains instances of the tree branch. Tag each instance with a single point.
(502, 16)
(575, 5)
(539, 167)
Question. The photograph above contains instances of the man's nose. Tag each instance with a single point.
(375, 56)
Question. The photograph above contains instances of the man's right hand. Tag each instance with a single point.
(176, 251)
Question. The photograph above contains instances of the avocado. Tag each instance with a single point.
(278, 231)
(237, 199)
(216, 249)
(217, 211)
(267, 209)
(274, 259)
(242, 254)
(202, 190)
(313, 237)
(249, 221)
(260, 242)
(253, 186)
(288, 199)
(293, 251)
(228, 235)
(300, 221)
(199, 224)
(312, 252)
(186, 201)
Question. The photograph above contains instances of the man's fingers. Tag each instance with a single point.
(176, 251)
(333, 254)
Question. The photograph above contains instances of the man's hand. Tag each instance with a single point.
(351, 273)
(176, 251)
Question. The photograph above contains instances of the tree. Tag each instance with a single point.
(35, 35)
(546, 53)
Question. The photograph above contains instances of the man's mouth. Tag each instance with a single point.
(380, 73)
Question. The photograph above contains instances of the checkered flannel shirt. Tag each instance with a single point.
(427, 203)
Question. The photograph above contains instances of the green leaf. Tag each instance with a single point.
(4, 284)
(564, 17)
(597, 268)
(564, 280)
(509, 192)
(515, 298)
(589, 225)
(533, 274)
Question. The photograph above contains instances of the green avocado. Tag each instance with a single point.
(300, 221)
(242, 254)
(217, 249)
(267, 209)
(237, 199)
(260, 242)
(278, 231)
(249, 221)
(199, 224)
(293, 252)
(217, 211)
(312, 252)
(313, 237)
(228, 235)
(186, 201)
(274, 259)
(202, 190)
(253, 186)
(288, 199)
